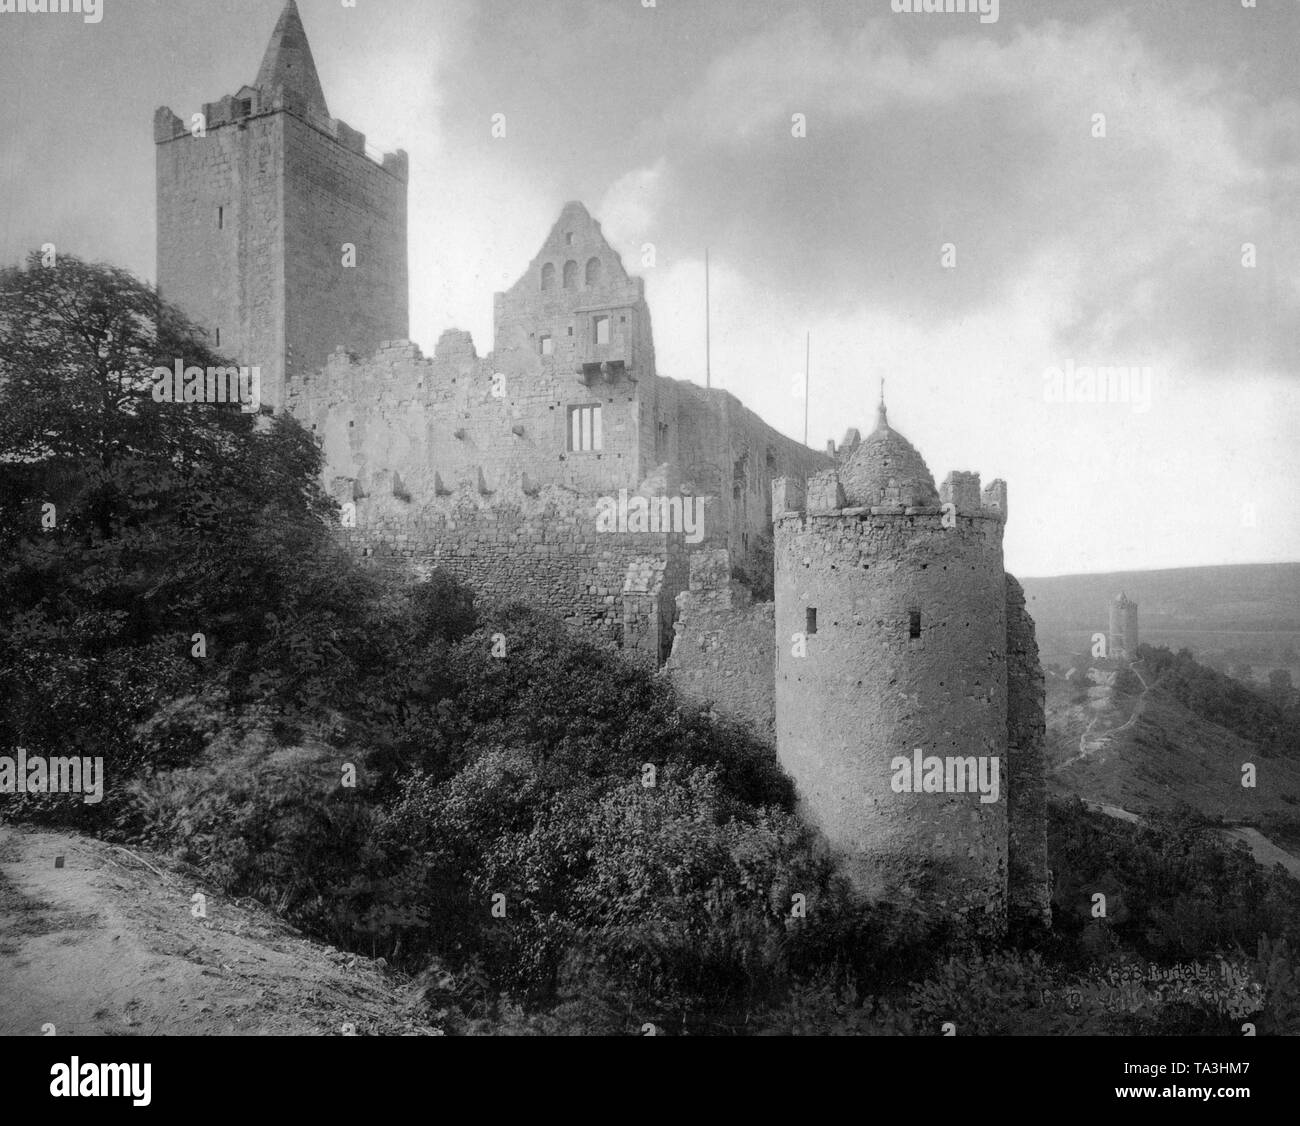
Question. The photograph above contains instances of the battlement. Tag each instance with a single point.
(822, 498)
(241, 109)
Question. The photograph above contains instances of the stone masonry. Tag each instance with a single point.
(892, 639)
(256, 209)
(531, 473)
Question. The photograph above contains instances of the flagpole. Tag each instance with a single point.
(807, 364)
(708, 370)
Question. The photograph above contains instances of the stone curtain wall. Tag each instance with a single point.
(725, 450)
(429, 425)
(722, 654)
(541, 550)
(1029, 894)
(437, 421)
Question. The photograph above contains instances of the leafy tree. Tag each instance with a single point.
(127, 526)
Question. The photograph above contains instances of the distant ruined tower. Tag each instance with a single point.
(1123, 628)
(255, 218)
(898, 634)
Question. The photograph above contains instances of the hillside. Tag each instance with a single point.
(1143, 752)
(1248, 613)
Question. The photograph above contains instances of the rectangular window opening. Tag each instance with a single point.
(548, 346)
(221, 218)
(810, 620)
(914, 623)
(602, 330)
(584, 428)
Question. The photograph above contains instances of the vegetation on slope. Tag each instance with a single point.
(543, 832)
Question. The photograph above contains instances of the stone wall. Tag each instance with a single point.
(722, 654)
(543, 550)
(723, 449)
(220, 235)
(424, 428)
(427, 426)
(334, 195)
(1029, 896)
(865, 691)
(438, 420)
(252, 219)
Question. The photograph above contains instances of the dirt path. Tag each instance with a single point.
(106, 946)
(1099, 741)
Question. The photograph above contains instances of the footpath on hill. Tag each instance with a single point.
(109, 944)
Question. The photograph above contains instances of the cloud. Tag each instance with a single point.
(990, 146)
(632, 202)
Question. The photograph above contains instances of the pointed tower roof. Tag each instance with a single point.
(288, 65)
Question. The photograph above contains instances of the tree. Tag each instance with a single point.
(128, 526)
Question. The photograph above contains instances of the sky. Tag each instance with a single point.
(955, 218)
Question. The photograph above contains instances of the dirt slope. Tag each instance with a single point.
(106, 946)
(1150, 752)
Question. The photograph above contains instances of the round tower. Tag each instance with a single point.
(891, 674)
(1123, 628)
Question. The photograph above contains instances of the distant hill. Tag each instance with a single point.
(1117, 740)
(1245, 614)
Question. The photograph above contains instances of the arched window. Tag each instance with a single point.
(571, 274)
(593, 272)
(548, 276)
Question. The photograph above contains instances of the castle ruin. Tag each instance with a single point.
(895, 631)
